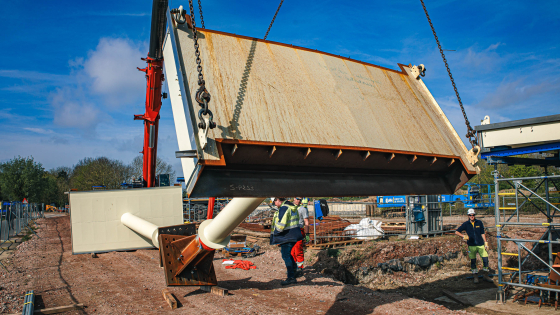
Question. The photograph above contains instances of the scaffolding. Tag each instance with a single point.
(507, 143)
(548, 208)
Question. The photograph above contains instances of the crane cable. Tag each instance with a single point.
(274, 18)
(471, 133)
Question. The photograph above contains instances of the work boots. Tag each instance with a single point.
(475, 275)
(289, 281)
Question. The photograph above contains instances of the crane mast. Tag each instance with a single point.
(154, 80)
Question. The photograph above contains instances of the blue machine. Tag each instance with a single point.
(479, 196)
(391, 201)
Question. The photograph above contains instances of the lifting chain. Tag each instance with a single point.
(274, 18)
(202, 96)
(201, 18)
(471, 133)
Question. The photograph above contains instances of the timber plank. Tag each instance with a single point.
(169, 298)
(215, 290)
(58, 309)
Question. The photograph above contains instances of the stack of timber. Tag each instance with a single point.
(329, 229)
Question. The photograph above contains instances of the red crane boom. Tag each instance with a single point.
(154, 78)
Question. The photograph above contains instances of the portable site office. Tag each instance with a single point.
(294, 121)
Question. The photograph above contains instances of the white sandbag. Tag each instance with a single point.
(366, 229)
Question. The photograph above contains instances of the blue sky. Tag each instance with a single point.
(69, 86)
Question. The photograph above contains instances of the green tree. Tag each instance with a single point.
(51, 194)
(99, 171)
(22, 178)
(162, 167)
(58, 183)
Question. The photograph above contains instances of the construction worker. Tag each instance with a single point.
(305, 201)
(476, 240)
(297, 251)
(285, 232)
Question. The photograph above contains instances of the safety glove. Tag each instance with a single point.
(307, 238)
(466, 237)
(486, 245)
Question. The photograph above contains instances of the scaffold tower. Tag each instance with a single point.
(528, 142)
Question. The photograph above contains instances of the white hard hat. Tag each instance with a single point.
(471, 211)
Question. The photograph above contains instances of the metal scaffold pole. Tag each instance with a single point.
(500, 294)
(549, 218)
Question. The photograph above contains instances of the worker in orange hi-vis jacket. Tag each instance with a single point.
(297, 250)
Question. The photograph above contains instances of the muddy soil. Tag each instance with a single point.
(131, 283)
(360, 265)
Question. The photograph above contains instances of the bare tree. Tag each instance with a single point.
(162, 167)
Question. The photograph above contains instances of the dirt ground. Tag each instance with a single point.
(132, 282)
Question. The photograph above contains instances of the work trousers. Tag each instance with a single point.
(297, 251)
(286, 250)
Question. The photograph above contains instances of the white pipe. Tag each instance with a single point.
(214, 233)
(142, 227)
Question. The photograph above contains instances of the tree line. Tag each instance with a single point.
(23, 177)
(486, 175)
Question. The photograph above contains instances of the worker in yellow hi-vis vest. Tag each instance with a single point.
(285, 232)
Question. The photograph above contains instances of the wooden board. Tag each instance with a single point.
(169, 298)
(215, 290)
(329, 100)
(335, 244)
(58, 309)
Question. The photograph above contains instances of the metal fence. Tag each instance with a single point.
(422, 216)
(196, 210)
(16, 217)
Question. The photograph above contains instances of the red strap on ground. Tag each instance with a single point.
(241, 264)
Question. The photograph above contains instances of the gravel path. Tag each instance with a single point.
(131, 283)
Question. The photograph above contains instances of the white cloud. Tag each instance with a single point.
(35, 76)
(104, 82)
(39, 130)
(72, 109)
(494, 46)
(112, 69)
(510, 94)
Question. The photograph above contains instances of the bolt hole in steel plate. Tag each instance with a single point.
(202, 273)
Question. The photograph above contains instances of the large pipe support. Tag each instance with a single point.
(142, 227)
(215, 233)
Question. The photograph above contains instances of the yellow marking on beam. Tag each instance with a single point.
(506, 194)
(510, 254)
(508, 208)
(546, 224)
(508, 268)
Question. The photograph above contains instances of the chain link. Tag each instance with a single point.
(274, 18)
(471, 133)
(201, 18)
(202, 96)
